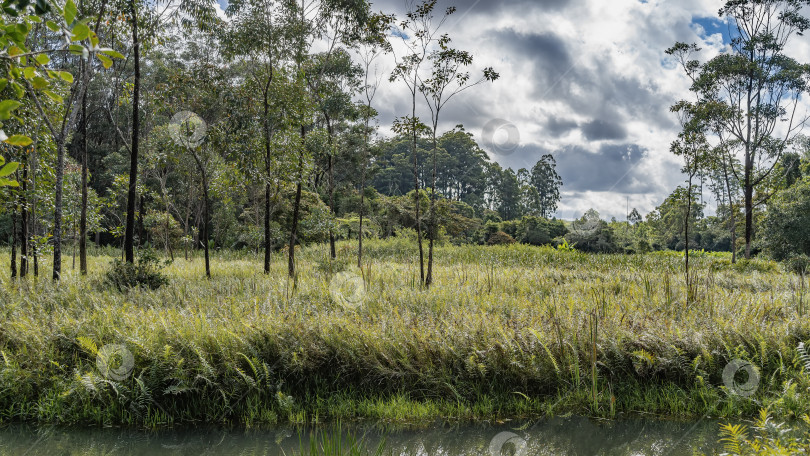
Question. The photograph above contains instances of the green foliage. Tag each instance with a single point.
(771, 438)
(243, 348)
(786, 227)
(146, 272)
(500, 238)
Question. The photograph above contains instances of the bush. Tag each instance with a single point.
(145, 272)
(799, 264)
(786, 228)
(500, 238)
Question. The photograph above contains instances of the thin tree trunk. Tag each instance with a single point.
(362, 200)
(129, 235)
(296, 210)
(83, 219)
(14, 206)
(204, 230)
(205, 227)
(433, 228)
(732, 216)
(417, 199)
(267, 158)
(34, 246)
(686, 237)
(57, 212)
(749, 213)
(330, 133)
(24, 220)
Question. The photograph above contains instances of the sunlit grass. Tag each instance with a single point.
(503, 332)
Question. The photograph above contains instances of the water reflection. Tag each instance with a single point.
(557, 436)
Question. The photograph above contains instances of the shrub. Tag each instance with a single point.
(799, 264)
(500, 238)
(145, 272)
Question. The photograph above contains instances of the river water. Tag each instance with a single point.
(556, 436)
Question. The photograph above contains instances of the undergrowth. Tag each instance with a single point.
(505, 331)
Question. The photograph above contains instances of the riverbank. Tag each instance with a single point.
(505, 332)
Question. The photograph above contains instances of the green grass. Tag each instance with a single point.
(503, 332)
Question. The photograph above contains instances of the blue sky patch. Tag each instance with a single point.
(713, 25)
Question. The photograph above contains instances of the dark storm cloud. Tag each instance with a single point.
(613, 168)
(547, 53)
(599, 129)
(600, 91)
(557, 127)
(610, 168)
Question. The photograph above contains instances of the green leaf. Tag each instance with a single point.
(70, 11)
(80, 32)
(78, 49)
(52, 96)
(66, 76)
(29, 72)
(52, 25)
(35, 19)
(112, 53)
(8, 183)
(18, 140)
(94, 40)
(18, 91)
(40, 83)
(6, 107)
(43, 59)
(9, 169)
(105, 61)
(14, 51)
(3, 83)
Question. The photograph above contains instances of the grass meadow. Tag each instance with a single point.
(504, 332)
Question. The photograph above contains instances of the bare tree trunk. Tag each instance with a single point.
(686, 238)
(204, 230)
(129, 235)
(417, 200)
(749, 212)
(432, 231)
(57, 212)
(267, 158)
(83, 219)
(330, 132)
(296, 211)
(14, 206)
(362, 203)
(24, 220)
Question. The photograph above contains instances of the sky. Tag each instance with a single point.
(587, 81)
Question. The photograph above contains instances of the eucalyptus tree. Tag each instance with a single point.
(336, 80)
(694, 148)
(408, 70)
(546, 182)
(261, 31)
(448, 78)
(372, 44)
(755, 90)
(329, 23)
(152, 16)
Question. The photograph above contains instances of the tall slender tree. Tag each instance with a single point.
(755, 90)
